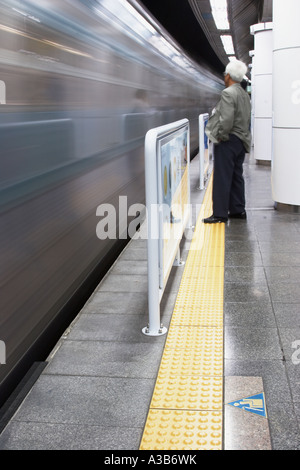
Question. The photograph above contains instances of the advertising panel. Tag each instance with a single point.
(167, 159)
(173, 196)
(205, 150)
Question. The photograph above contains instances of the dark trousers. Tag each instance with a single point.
(228, 182)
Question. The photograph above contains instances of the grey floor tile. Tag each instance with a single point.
(276, 234)
(283, 426)
(125, 266)
(236, 231)
(124, 283)
(270, 223)
(135, 252)
(292, 246)
(105, 302)
(107, 438)
(245, 246)
(45, 436)
(293, 372)
(249, 314)
(287, 315)
(246, 292)
(282, 274)
(110, 327)
(297, 413)
(285, 292)
(252, 343)
(107, 359)
(243, 259)
(37, 436)
(100, 401)
(281, 259)
(250, 274)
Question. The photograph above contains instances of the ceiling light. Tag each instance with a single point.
(228, 44)
(220, 13)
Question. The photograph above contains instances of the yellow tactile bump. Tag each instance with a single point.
(182, 430)
(192, 362)
(204, 261)
(194, 337)
(202, 299)
(198, 248)
(202, 302)
(204, 272)
(206, 258)
(202, 315)
(188, 393)
(200, 293)
(203, 284)
(211, 255)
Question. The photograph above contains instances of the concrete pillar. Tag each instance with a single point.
(286, 104)
(262, 99)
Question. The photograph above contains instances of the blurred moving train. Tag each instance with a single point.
(81, 82)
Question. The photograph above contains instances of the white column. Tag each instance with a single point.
(262, 100)
(286, 103)
(252, 73)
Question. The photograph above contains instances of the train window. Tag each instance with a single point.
(2, 92)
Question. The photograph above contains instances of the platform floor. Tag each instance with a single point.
(97, 389)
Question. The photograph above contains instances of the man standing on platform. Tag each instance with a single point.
(229, 129)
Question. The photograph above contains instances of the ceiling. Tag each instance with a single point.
(191, 24)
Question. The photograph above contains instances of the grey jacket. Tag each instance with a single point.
(232, 115)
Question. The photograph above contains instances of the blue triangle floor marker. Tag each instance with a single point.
(255, 404)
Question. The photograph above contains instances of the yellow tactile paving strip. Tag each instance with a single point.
(186, 411)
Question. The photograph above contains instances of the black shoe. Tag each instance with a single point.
(215, 220)
(240, 215)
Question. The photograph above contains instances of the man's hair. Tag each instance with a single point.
(237, 70)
